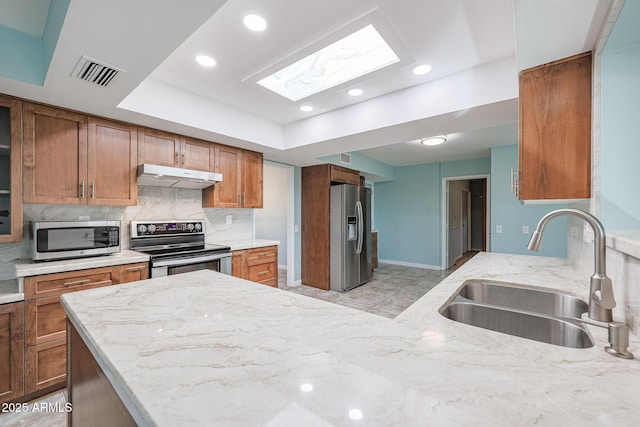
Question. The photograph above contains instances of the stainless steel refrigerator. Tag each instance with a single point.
(350, 237)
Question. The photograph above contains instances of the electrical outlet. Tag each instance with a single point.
(84, 218)
(229, 219)
(498, 229)
(525, 229)
(296, 228)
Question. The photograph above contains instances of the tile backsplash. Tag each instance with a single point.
(154, 203)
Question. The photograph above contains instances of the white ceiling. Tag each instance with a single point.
(471, 93)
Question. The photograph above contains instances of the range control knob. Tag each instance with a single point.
(142, 228)
(152, 228)
(198, 226)
(190, 227)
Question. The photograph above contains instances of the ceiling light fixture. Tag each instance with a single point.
(205, 61)
(434, 140)
(306, 108)
(255, 22)
(421, 69)
(355, 92)
(353, 56)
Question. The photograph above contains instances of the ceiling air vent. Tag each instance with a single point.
(93, 71)
(345, 158)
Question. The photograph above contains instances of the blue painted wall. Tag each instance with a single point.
(507, 211)
(620, 150)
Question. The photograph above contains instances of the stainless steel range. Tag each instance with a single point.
(178, 246)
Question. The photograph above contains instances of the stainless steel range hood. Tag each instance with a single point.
(166, 176)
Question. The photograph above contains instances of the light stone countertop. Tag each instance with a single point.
(238, 245)
(204, 348)
(10, 291)
(27, 267)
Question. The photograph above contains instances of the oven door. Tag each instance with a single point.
(171, 266)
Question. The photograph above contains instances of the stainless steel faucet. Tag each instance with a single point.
(601, 301)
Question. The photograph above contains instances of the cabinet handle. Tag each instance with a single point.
(140, 267)
(93, 189)
(262, 273)
(77, 282)
(177, 162)
(82, 190)
(183, 158)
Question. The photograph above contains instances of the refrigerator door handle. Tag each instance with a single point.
(360, 226)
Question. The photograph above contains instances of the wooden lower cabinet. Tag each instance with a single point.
(45, 321)
(257, 265)
(11, 352)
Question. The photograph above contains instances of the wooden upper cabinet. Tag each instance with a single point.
(158, 148)
(252, 177)
(112, 163)
(198, 155)
(167, 149)
(72, 159)
(10, 170)
(555, 130)
(242, 177)
(55, 155)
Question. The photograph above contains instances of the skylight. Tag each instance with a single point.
(353, 56)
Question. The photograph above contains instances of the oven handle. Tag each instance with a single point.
(190, 260)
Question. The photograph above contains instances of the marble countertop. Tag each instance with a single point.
(26, 267)
(237, 245)
(201, 347)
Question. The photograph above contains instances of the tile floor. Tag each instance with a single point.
(392, 289)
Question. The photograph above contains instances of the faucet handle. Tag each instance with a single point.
(604, 296)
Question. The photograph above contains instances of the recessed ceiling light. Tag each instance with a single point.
(353, 56)
(306, 108)
(355, 92)
(421, 69)
(255, 22)
(205, 61)
(434, 140)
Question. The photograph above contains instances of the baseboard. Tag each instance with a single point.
(410, 264)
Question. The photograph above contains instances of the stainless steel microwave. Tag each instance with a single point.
(74, 239)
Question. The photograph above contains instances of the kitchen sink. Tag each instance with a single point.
(538, 314)
(521, 297)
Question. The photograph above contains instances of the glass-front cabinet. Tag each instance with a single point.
(10, 170)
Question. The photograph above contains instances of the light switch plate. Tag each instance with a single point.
(498, 229)
(229, 219)
(525, 229)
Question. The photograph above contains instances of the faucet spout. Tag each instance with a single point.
(601, 300)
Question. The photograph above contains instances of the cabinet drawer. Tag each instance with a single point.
(49, 285)
(131, 272)
(45, 366)
(262, 272)
(345, 176)
(44, 321)
(262, 255)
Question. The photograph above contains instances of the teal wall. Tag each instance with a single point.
(408, 210)
(27, 58)
(507, 211)
(620, 149)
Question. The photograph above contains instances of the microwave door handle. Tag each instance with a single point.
(360, 226)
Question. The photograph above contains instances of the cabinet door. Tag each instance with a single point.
(252, 176)
(158, 148)
(11, 352)
(225, 194)
(112, 163)
(238, 264)
(198, 155)
(45, 366)
(44, 321)
(55, 156)
(10, 170)
(132, 272)
(555, 130)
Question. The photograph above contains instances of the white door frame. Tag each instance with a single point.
(445, 212)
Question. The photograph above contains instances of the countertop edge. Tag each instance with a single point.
(238, 245)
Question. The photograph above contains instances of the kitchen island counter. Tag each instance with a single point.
(204, 348)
